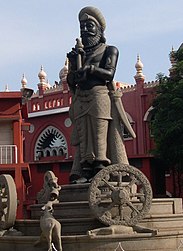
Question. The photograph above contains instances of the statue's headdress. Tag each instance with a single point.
(93, 14)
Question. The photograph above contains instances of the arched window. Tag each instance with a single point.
(60, 152)
(54, 103)
(148, 117)
(34, 107)
(51, 142)
(148, 114)
(47, 153)
(46, 105)
(54, 152)
(49, 104)
(58, 102)
(38, 106)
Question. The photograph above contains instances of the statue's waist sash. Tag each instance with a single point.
(95, 102)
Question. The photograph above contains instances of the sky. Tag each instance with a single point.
(42, 32)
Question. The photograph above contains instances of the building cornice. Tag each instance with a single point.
(48, 112)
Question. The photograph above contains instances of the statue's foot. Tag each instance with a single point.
(73, 177)
(98, 167)
(87, 175)
(81, 180)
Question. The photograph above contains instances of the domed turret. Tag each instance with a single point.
(43, 84)
(63, 72)
(24, 81)
(42, 75)
(139, 66)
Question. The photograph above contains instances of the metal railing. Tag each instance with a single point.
(8, 154)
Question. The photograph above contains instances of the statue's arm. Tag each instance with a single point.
(71, 81)
(107, 71)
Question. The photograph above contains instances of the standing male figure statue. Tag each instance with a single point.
(97, 132)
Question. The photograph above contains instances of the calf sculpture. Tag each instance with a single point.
(50, 227)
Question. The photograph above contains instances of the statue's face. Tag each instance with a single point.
(88, 28)
(90, 33)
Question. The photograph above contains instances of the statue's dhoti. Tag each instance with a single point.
(95, 135)
(91, 111)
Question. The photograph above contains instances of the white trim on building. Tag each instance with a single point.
(48, 112)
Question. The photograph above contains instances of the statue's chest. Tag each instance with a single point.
(96, 60)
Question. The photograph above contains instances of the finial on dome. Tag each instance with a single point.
(67, 62)
(6, 88)
(139, 66)
(42, 75)
(24, 81)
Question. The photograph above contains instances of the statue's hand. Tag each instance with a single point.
(72, 56)
(81, 52)
(81, 74)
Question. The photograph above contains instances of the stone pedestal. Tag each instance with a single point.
(77, 219)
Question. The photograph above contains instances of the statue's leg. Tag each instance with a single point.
(92, 148)
(58, 238)
(86, 141)
(49, 240)
(81, 127)
(76, 171)
(100, 132)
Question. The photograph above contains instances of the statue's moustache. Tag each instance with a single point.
(87, 34)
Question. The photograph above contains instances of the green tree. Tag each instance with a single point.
(167, 125)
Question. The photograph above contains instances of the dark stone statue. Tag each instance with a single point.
(97, 121)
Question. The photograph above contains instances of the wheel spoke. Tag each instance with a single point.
(120, 178)
(138, 195)
(109, 185)
(111, 205)
(132, 182)
(102, 198)
(121, 212)
(4, 204)
(132, 207)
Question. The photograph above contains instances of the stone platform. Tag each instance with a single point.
(76, 217)
(169, 241)
(165, 216)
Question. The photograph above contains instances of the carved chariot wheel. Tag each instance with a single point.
(120, 195)
(8, 201)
